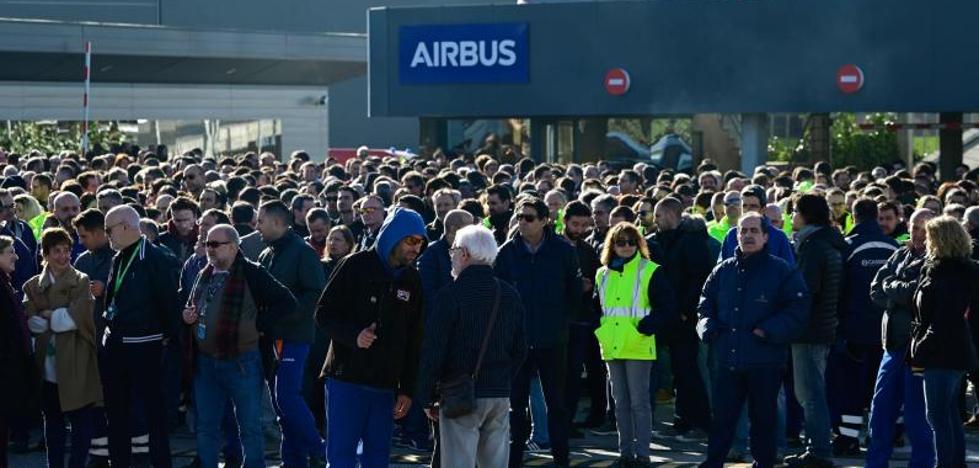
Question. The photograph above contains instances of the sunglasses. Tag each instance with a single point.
(215, 244)
(413, 241)
(367, 210)
(528, 218)
(625, 242)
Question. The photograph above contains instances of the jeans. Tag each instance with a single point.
(538, 413)
(480, 438)
(758, 386)
(82, 425)
(630, 389)
(133, 373)
(300, 440)
(942, 411)
(358, 413)
(215, 382)
(549, 363)
(897, 386)
(809, 370)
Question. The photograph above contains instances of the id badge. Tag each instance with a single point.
(110, 312)
(201, 331)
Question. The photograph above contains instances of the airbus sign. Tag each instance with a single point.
(463, 53)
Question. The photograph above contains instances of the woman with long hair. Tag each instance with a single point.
(339, 243)
(942, 345)
(59, 310)
(15, 349)
(637, 300)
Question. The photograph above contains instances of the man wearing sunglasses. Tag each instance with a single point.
(371, 217)
(544, 268)
(372, 312)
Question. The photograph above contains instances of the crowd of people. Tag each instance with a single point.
(466, 305)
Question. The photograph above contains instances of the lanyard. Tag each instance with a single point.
(122, 274)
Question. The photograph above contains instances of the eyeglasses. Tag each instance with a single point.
(215, 244)
(625, 242)
(527, 218)
(453, 250)
(412, 241)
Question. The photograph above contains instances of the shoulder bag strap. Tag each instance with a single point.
(489, 329)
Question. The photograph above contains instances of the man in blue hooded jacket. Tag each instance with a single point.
(372, 311)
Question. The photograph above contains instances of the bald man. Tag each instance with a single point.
(66, 207)
(142, 315)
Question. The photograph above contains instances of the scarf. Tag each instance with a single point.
(232, 298)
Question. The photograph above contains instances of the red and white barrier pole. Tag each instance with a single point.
(88, 85)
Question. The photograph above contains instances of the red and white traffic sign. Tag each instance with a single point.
(617, 81)
(849, 78)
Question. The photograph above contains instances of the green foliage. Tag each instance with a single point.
(54, 137)
(850, 145)
(863, 149)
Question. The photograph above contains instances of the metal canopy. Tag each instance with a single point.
(36, 50)
(700, 56)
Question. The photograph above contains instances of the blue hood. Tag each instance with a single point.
(400, 223)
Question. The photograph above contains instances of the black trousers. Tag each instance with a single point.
(134, 371)
(692, 406)
(550, 364)
(583, 352)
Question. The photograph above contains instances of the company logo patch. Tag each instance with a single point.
(463, 53)
(403, 295)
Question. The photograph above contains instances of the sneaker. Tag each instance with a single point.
(534, 447)
(844, 446)
(606, 429)
(972, 425)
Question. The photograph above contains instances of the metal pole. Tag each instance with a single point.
(88, 85)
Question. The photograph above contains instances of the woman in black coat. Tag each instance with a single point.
(15, 349)
(942, 346)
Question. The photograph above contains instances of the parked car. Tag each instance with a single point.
(670, 152)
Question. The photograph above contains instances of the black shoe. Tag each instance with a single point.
(794, 442)
(607, 429)
(574, 433)
(844, 446)
(807, 460)
(236, 463)
(623, 462)
(97, 462)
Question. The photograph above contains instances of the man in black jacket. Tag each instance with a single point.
(141, 315)
(544, 268)
(455, 333)
(683, 243)
(582, 344)
(372, 311)
(295, 264)
(820, 249)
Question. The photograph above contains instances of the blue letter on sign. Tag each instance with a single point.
(463, 53)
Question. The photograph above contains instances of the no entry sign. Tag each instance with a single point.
(849, 78)
(617, 81)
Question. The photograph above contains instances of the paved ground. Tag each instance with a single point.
(591, 451)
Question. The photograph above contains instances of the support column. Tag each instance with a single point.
(819, 139)
(592, 145)
(433, 133)
(538, 137)
(950, 143)
(754, 142)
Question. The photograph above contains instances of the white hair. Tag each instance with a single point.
(228, 231)
(478, 242)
